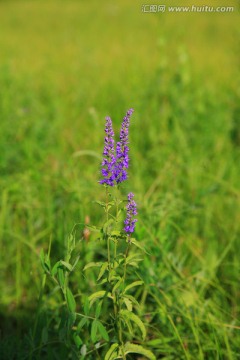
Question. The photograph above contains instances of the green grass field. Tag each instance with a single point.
(64, 66)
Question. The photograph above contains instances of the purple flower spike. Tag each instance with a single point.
(131, 212)
(122, 149)
(109, 155)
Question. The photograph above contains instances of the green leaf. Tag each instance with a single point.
(116, 286)
(128, 303)
(135, 283)
(129, 326)
(70, 300)
(115, 264)
(105, 205)
(55, 268)
(86, 306)
(45, 261)
(103, 281)
(110, 204)
(134, 264)
(77, 340)
(133, 258)
(92, 264)
(112, 352)
(45, 335)
(102, 270)
(138, 349)
(112, 275)
(70, 244)
(66, 265)
(42, 257)
(103, 331)
(71, 319)
(106, 226)
(75, 262)
(93, 228)
(81, 324)
(98, 309)
(133, 317)
(115, 233)
(156, 342)
(98, 295)
(101, 203)
(136, 243)
(94, 330)
(132, 298)
(61, 277)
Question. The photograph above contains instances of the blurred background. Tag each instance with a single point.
(64, 66)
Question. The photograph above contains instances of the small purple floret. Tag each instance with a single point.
(109, 155)
(122, 149)
(131, 213)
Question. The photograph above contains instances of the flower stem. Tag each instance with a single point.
(125, 264)
(117, 309)
(108, 238)
(116, 241)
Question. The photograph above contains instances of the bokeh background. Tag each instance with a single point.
(64, 66)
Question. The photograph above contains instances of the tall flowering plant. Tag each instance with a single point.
(109, 316)
(114, 171)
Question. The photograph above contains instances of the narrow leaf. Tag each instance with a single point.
(92, 264)
(92, 228)
(136, 243)
(132, 298)
(71, 319)
(61, 277)
(135, 283)
(66, 265)
(70, 300)
(98, 295)
(106, 226)
(116, 233)
(81, 324)
(133, 258)
(112, 352)
(133, 317)
(98, 309)
(45, 335)
(128, 303)
(86, 306)
(103, 281)
(55, 268)
(94, 330)
(103, 331)
(134, 264)
(102, 270)
(45, 262)
(101, 203)
(75, 262)
(42, 257)
(116, 286)
(128, 323)
(77, 340)
(138, 349)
